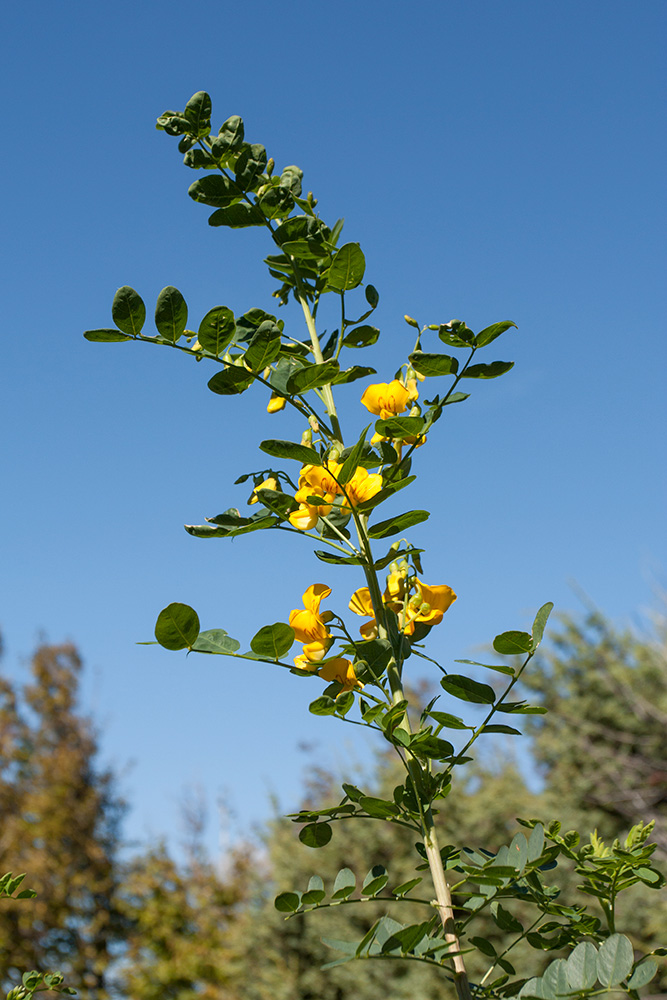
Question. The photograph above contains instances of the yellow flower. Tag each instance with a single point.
(386, 399)
(341, 670)
(428, 605)
(305, 518)
(268, 484)
(362, 486)
(308, 624)
(312, 653)
(320, 479)
(276, 403)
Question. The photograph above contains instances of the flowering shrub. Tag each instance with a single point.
(334, 497)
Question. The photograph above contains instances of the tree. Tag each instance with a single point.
(61, 824)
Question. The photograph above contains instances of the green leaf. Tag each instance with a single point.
(276, 203)
(430, 747)
(510, 643)
(401, 522)
(177, 626)
(490, 333)
(456, 334)
(540, 622)
(375, 881)
(351, 461)
(128, 311)
(554, 980)
(615, 960)
(581, 967)
(492, 370)
(433, 364)
(273, 641)
(517, 854)
(215, 190)
(283, 371)
(291, 179)
(499, 668)
(347, 268)
(448, 721)
(323, 705)
(264, 346)
(217, 329)
(336, 560)
(288, 449)
(643, 974)
(520, 708)
(105, 336)
(465, 689)
(312, 377)
(505, 920)
(352, 374)
(405, 887)
(230, 136)
(315, 892)
(171, 313)
(379, 808)
(237, 216)
(287, 902)
(250, 166)
(198, 113)
(344, 884)
(315, 834)
(361, 336)
(215, 640)
(535, 842)
(372, 296)
(231, 381)
(497, 728)
(400, 427)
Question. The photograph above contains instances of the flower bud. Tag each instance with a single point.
(307, 438)
(411, 322)
(269, 166)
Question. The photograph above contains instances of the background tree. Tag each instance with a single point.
(60, 822)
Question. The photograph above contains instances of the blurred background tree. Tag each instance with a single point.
(60, 822)
(189, 926)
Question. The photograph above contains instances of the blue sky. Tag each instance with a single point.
(496, 161)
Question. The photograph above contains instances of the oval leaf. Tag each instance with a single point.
(399, 523)
(177, 627)
(237, 216)
(493, 370)
(171, 313)
(347, 268)
(312, 377)
(512, 642)
(217, 329)
(315, 834)
(215, 190)
(105, 336)
(273, 641)
(216, 640)
(643, 974)
(581, 968)
(264, 346)
(540, 622)
(231, 381)
(344, 884)
(287, 902)
(288, 449)
(615, 960)
(490, 333)
(465, 689)
(433, 364)
(361, 336)
(400, 427)
(128, 311)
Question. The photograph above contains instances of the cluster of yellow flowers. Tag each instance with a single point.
(311, 628)
(322, 482)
